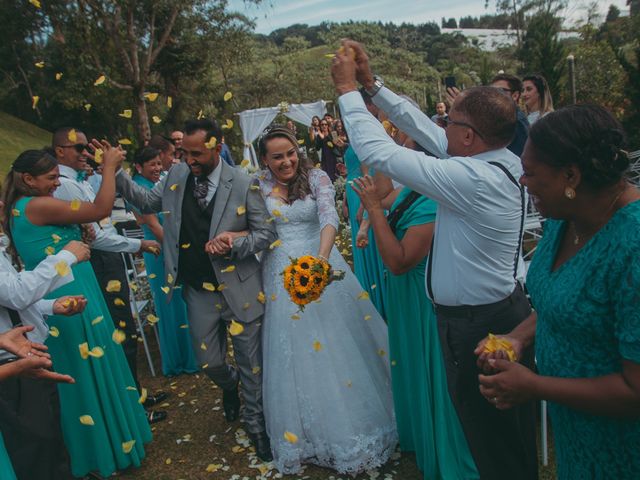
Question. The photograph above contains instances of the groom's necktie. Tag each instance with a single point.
(200, 192)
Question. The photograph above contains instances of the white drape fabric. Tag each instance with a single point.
(253, 122)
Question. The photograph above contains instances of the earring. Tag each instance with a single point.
(570, 193)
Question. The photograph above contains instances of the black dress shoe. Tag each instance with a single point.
(155, 399)
(262, 445)
(155, 416)
(231, 404)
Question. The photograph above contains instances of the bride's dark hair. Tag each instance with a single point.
(299, 186)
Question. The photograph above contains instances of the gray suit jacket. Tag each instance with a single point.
(245, 282)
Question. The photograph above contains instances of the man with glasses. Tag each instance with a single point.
(512, 86)
(477, 241)
(70, 149)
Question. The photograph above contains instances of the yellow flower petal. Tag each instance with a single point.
(246, 306)
(211, 143)
(50, 250)
(167, 461)
(156, 119)
(34, 101)
(245, 163)
(317, 346)
(39, 64)
(169, 278)
(241, 210)
(119, 302)
(58, 75)
(209, 286)
(367, 317)
(118, 336)
(185, 245)
(218, 306)
(329, 144)
(126, 113)
(184, 326)
(75, 204)
(151, 318)
(203, 346)
(35, 3)
(173, 187)
(301, 141)
(290, 437)
(84, 350)
(151, 96)
(113, 286)
(275, 244)
(363, 296)
(87, 106)
(221, 287)
(213, 467)
(15, 212)
(54, 332)
(125, 141)
(165, 289)
(235, 328)
(329, 55)
(256, 370)
(382, 353)
(128, 446)
(393, 363)
(295, 316)
(228, 125)
(63, 268)
(276, 212)
(132, 388)
(97, 320)
(169, 102)
(200, 115)
(261, 298)
(227, 96)
(97, 156)
(100, 80)
(373, 287)
(230, 268)
(153, 275)
(273, 297)
(122, 324)
(143, 396)
(96, 352)
(86, 420)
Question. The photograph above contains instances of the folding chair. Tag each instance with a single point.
(135, 272)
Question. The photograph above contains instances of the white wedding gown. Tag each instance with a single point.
(335, 395)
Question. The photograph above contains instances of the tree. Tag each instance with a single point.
(613, 13)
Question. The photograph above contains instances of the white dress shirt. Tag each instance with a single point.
(479, 208)
(23, 291)
(107, 237)
(214, 180)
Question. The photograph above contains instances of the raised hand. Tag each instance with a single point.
(367, 190)
(69, 305)
(364, 75)
(16, 342)
(112, 157)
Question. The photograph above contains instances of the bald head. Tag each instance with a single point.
(491, 112)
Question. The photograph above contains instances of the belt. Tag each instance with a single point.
(476, 310)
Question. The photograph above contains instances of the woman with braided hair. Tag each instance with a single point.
(584, 282)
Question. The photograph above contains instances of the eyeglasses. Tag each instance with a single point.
(79, 147)
(448, 122)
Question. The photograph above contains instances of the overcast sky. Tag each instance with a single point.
(274, 14)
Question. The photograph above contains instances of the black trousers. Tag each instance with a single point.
(30, 424)
(502, 442)
(110, 266)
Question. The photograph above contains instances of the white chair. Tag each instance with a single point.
(135, 272)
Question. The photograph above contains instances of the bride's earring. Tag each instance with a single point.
(570, 193)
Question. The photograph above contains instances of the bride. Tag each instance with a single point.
(327, 395)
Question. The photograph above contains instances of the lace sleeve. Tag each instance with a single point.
(324, 193)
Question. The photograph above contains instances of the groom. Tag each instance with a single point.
(205, 201)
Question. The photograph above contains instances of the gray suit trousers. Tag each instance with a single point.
(209, 316)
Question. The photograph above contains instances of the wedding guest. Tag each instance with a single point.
(477, 242)
(225, 153)
(175, 342)
(327, 149)
(106, 259)
(176, 137)
(427, 422)
(584, 282)
(167, 151)
(86, 346)
(537, 97)
(512, 86)
(326, 370)
(441, 115)
(314, 129)
(29, 404)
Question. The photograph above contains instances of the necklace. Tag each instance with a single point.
(577, 235)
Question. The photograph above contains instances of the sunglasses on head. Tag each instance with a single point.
(79, 147)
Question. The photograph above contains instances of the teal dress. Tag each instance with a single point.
(588, 323)
(427, 421)
(175, 341)
(367, 264)
(100, 413)
(6, 469)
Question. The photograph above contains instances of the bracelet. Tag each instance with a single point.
(378, 83)
(322, 257)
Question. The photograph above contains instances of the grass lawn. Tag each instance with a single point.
(16, 136)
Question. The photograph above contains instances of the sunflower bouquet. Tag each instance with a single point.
(306, 277)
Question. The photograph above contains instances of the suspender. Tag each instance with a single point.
(15, 317)
(394, 216)
(519, 243)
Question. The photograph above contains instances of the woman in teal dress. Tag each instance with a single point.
(427, 422)
(367, 264)
(103, 423)
(6, 469)
(584, 282)
(175, 340)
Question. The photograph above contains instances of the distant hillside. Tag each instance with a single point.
(17, 135)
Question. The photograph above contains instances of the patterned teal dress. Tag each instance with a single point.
(588, 322)
(367, 263)
(427, 421)
(6, 469)
(173, 327)
(104, 426)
